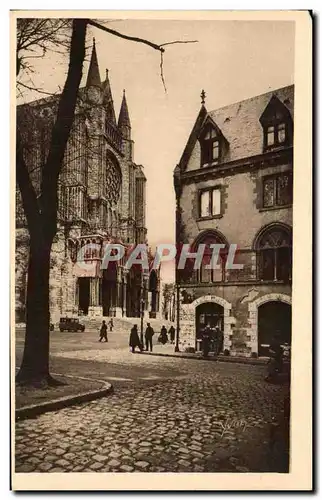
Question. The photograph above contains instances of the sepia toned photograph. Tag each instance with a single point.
(156, 234)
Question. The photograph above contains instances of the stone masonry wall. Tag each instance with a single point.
(242, 219)
(240, 332)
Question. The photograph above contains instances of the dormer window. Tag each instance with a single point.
(275, 135)
(281, 133)
(277, 125)
(215, 150)
(213, 145)
(210, 147)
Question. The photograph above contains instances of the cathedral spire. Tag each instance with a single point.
(124, 118)
(108, 100)
(93, 77)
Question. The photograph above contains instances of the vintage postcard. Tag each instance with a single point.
(161, 301)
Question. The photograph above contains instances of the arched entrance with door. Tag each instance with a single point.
(133, 292)
(109, 289)
(264, 322)
(83, 294)
(208, 314)
(274, 319)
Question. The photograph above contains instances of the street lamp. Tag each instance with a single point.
(142, 315)
(176, 349)
(144, 278)
(178, 191)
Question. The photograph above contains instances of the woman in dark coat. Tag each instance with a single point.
(134, 339)
(163, 338)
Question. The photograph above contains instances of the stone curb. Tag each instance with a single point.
(223, 359)
(59, 403)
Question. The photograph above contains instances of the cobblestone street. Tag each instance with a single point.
(171, 415)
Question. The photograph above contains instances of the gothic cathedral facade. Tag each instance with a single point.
(101, 199)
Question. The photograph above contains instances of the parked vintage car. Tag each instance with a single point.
(71, 325)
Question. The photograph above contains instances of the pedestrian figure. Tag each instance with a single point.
(149, 332)
(111, 324)
(275, 363)
(103, 332)
(218, 341)
(163, 338)
(134, 339)
(172, 334)
(206, 339)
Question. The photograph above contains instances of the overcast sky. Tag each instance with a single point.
(233, 60)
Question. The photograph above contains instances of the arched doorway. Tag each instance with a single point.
(133, 292)
(211, 314)
(83, 294)
(274, 318)
(109, 288)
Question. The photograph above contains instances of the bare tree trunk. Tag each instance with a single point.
(34, 368)
(41, 215)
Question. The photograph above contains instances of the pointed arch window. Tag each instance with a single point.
(274, 255)
(208, 273)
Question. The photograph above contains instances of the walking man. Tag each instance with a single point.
(134, 339)
(103, 332)
(172, 334)
(149, 332)
(111, 324)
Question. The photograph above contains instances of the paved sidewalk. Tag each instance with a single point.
(168, 350)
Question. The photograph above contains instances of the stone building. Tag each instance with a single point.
(101, 200)
(234, 186)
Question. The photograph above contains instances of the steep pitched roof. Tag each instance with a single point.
(275, 110)
(193, 138)
(240, 124)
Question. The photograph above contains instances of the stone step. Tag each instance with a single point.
(120, 324)
(125, 324)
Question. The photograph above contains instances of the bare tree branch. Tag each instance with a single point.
(35, 89)
(36, 36)
(126, 37)
(178, 41)
(161, 72)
